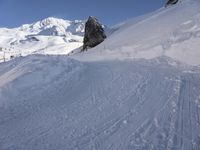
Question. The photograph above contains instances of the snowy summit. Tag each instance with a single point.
(49, 36)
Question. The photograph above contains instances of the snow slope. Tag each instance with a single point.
(113, 103)
(49, 36)
(167, 32)
(55, 103)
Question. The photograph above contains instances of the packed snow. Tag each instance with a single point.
(138, 90)
(53, 102)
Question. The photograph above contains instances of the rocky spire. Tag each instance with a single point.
(94, 33)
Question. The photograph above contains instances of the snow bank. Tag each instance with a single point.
(172, 31)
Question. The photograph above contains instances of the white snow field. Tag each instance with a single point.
(56, 103)
(122, 95)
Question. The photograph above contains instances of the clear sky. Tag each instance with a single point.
(14, 13)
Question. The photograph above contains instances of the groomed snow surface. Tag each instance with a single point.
(122, 95)
(56, 103)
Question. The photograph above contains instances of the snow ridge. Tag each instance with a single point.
(166, 32)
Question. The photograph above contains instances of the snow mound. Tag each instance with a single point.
(173, 31)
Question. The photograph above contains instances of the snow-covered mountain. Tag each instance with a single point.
(138, 90)
(55, 26)
(49, 36)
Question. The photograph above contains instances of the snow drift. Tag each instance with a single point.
(167, 32)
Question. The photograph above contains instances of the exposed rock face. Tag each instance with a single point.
(94, 33)
(171, 2)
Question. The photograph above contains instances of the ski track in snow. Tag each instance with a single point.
(98, 105)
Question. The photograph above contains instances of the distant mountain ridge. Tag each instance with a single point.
(48, 36)
(63, 27)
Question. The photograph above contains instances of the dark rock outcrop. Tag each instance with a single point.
(171, 2)
(94, 33)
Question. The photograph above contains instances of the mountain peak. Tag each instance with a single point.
(54, 21)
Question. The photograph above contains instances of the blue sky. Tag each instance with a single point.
(14, 13)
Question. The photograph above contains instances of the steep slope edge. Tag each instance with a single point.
(172, 31)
